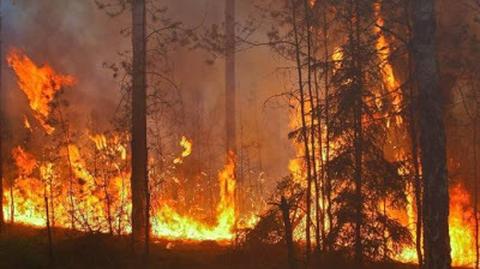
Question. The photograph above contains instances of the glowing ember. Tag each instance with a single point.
(40, 84)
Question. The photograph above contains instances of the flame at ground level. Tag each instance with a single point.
(169, 224)
(29, 204)
(462, 231)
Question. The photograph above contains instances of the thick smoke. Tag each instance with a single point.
(77, 38)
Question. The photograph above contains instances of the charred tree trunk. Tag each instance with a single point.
(285, 209)
(328, 184)
(12, 204)
(358, 131)
(305, 137)
(48, 225)
(230, 102)
(413, 134)
(109, 205)
(417, 179)
(139, 178)
(432, 138)
(475, 184)
(312, 120)
(2, 219)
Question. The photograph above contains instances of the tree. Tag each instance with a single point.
(139, 177)
(1, 125)
(362, 174)
(285, 209)
(305, 137)
(230, 76)
(432, 137)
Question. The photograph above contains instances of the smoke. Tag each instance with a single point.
(77, 38)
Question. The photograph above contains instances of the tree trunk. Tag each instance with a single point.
(48, 225)
(231, 145)
(358, 132)
(328, 183)
(2, 220)
(139, 129)
(475, 185)
(12, 204)
(285, 209)
(312, 120)
(413, 134)
(432, 138)
(304, 133)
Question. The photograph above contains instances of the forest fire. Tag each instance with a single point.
(391, 83)
(167, 223)
(285, 134)
(462, 231)
(40, 84)
(90, 194)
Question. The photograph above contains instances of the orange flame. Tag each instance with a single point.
(391, 83)
(168, 223)
(40, 84)
(90, 201)
(25, 161)
(187, 150)
(461, 226)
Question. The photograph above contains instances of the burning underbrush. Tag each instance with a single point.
(80, 180)
(85, 185)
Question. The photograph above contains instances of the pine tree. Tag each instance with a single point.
(363, 178)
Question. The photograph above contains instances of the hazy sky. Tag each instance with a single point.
(76, 38)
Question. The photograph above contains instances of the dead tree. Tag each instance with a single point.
(432, 137)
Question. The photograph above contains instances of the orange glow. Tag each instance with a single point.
(390, 82)
(462, 227)
(89, 199)
(187, 150)
(168, 223)
(100, 141)
(26, 123)
(39, 84)
(25, 161)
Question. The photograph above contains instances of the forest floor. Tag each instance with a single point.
(26, 247)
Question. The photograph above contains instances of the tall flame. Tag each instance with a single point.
(40, 85)
(389, 79)
(461, 229)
